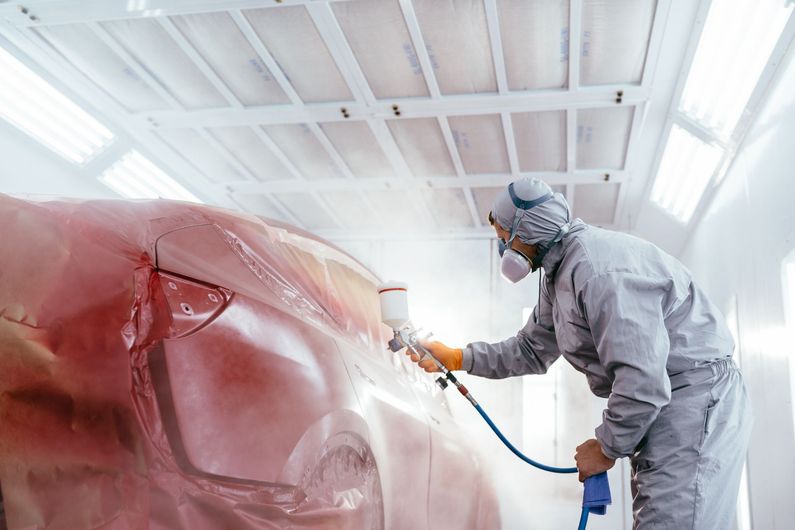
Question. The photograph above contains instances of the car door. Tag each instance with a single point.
(454, 477)
(399, 432)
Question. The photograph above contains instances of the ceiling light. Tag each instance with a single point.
(135, 177)
(735, 46)
(687, 166)
(34, 106)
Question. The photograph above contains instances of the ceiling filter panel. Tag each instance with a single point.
(540, 140)
(259, 204)
(157, 52)
(294, 42)
(377, 34)
(452, 30)
(244, 144)
(81, 47)
(423, 146)
(304, 150)
(308, 210)
(219, 41)
(349, 208)
(602, 137)
(449, 208)
(535, 42)
(596, 203)
(359, 148)
(399, 210)
(484, 200)
(615, 39)
(201, 154)
(481, 143)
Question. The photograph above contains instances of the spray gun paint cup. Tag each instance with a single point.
(394, 304)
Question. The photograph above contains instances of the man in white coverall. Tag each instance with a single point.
(630, 318)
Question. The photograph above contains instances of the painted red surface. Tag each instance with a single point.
(165, 365)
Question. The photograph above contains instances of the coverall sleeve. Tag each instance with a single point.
(531, 351)
(625, 313)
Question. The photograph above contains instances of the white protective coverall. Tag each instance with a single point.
(630, 318)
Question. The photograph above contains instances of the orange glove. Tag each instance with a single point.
(451, 358)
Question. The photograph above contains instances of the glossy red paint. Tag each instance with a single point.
(174, 366)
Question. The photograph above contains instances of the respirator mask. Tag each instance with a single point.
(514, 265)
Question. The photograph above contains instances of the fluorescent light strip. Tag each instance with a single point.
(687, 166)
(735, 46)
(48, 111)
(136, 177)
(34, 106)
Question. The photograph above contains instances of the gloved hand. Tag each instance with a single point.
(451, 358)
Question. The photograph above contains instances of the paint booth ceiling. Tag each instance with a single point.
(371, 115)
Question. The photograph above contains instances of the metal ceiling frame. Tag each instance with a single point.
(417, 40)
(488, 180)
(46, 12)
(365, 106)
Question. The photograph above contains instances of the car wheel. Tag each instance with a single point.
(345, 484)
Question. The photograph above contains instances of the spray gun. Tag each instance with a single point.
(395, 314)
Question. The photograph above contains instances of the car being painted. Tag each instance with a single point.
(168, 365)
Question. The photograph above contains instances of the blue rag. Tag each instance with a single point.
(596, 496)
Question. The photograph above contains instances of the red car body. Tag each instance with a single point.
(167, 365)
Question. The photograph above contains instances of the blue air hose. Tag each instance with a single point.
(539, 465)
(516, 451)
(583, 518)
(596, 494)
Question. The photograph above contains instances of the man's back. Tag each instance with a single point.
(598, 266)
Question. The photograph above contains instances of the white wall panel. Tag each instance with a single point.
(29, 167)
(737, 252)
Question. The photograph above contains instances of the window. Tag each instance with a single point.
(734, 48)
(31, 104)
(687, 166)
(739, 39)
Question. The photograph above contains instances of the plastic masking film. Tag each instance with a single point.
(83, 310)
